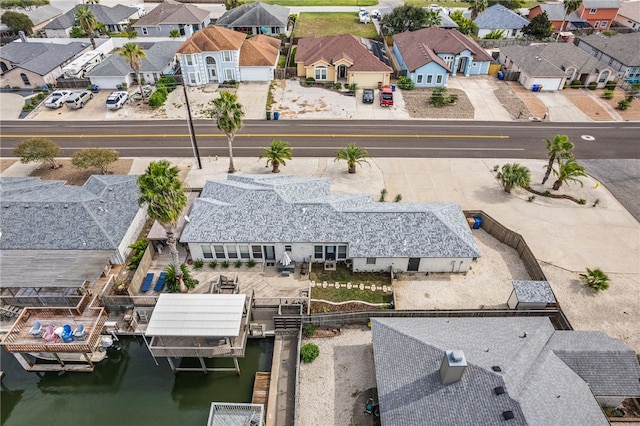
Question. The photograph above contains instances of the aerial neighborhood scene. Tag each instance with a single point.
(320, 212)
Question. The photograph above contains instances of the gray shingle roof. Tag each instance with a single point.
(159, 55)
(104, 14)
(541, 389)
(40, 58)
(533, 64)
(621, 47)
(601, 4)
(49, 215)
(287, 209)
(498, 16)
(170, 13)
(254, 14)
(534, 291)
(554, 11)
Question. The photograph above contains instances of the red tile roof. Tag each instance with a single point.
(212, 39)
(260, 50)
(331, 49)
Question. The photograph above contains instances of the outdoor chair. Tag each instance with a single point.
(67, 334)
(79, 333)
(36, 330)
(50, 334)
(368, 408)
(160, 283)
(146, 284)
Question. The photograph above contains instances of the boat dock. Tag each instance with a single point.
(261, 388)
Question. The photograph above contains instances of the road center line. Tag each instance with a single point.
(269, 135)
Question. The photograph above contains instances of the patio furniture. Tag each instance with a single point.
(67, 334)
(290, 267)
(36, 330)
(78, 334)
(146, 284)
(160, 283)
(50, 334)
(368, 408)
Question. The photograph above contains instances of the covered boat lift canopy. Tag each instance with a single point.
(201, 326)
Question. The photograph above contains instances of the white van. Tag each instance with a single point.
(78, 99)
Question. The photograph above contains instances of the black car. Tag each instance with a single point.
(367, 96)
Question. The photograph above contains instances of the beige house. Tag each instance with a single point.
(343, 59)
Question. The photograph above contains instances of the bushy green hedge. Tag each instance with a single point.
(405, 83)
(593, 85)
(159, 97)
(139, 247)
(575, 84)
(309, 352)
(167, 81)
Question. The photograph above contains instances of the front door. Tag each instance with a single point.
(330, 253)
(462, 65)
(269, 252)
(414, 264)
(342, 71)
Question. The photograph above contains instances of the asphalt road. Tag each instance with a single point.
(318, 138)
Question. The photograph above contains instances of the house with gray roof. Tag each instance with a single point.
(490, 371)
(553, 65)
(114, 70)
(33, 64)
(159, 22)
(115, 19)
(629, 14)
(430, 55)
(260, 217)
(256, 18)
(40, 16)
(619, 52)
(498, 17)
(555, 14)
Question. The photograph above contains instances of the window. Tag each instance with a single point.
(439, 79)
(206, 252)
(321, 73)
(257, 252)
(275, 30)
(597, 24)
(429, 79)
(287, 248)
(192, 78)
(189, 59)
(244, 251)
(231, 251)
(229, 74)
(25, 79)
(448, 59)
(593, 11)
(317, 252)
(603, 24)
(342, 252)
(603, 77)
(514, 32)
(419, 78)
(219, 252)
(227, 56)
(145, 31)
(371, 260)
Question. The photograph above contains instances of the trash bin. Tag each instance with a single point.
(95, 88)
(268, 115)
(393, 87)
(535, 88)
(500, 75)
(477, 222)
(276, 115)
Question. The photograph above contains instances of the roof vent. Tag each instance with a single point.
(496, 368)
(498, 390)
(26, 206)
(452, 367)
(66, 206)
(46, 206)
(508, 415)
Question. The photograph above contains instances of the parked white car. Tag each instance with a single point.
(117, 99)
(57, 98)
(78, 99)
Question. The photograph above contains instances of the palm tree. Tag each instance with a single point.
(162, 191)
(477, 7)
(560, 147)
(595, 279)
(569, 7)
(433, 18)
(514, 176)
(353, 155)
(87, 21)
(174, 33)
(133, 55)
(568, 171)
(277, 154)
(228, 114)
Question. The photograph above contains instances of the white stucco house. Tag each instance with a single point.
(261, 217)
(215, 54)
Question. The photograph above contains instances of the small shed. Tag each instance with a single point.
(531, 295)
(200, 326)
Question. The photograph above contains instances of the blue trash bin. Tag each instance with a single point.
(393, 87)
(500, 75)
(535, 88)
(276, 115)
(477, 222)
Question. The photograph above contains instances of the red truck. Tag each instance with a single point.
(386, 96)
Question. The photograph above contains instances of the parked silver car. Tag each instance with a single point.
(57, 98)
(78, 99)
(117, 99)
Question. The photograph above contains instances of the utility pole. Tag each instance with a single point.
(192, 133)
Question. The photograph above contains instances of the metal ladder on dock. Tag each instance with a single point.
(287, 324)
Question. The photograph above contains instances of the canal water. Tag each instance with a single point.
(127, 388)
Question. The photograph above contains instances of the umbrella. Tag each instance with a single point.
(286, 260)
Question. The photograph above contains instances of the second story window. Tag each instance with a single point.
(227, 56)
(593, 11)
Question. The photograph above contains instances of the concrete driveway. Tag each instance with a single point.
(479, 90)
(561, 109)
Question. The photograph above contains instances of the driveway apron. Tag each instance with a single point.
(253, 97)
(561, 109)
(479, 90)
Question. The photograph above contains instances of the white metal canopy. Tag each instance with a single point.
(197, 315)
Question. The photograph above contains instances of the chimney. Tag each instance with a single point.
(23, 37)
(452, 368)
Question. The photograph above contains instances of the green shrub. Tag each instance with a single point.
(158, 98)
(607, 94)
(198, 263)
(238, 264)
(593, 85)
(623, 105)
(139, 247)
(439, 97)
(595, 279)
(169, 82)
(309, 352)
(575, 84)
(225, 264)
(251, 263)
(28, 107)
(172, 283)
(337, 86)
(309, 330)
(405, 83)
(609, 33)
(213, 264)
(546, 193)
(352, 87)
(610, 85)
(310, 80)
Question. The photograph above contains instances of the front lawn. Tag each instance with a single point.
(344, 294)
(322, 2)
(343, 275)
(332, 23)
(452, 3)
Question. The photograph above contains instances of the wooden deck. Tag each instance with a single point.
(261, 388)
